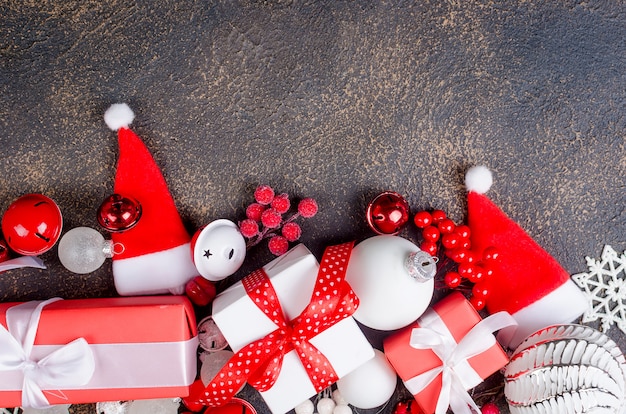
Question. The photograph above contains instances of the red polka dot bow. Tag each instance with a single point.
(259, 363)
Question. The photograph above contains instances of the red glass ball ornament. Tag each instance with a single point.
(118, 213)
(32, 224)
(387, 213)
(200, 291)
(407, 407)
(422, 219)
(431, 234)
(4, 250)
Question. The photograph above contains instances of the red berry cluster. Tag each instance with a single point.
(463, 264)
(264, 219)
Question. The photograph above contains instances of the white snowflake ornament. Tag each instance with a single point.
(605, 287)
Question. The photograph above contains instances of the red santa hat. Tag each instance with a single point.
(154, 256)
(527, 281)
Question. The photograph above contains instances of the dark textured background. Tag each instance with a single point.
(333, 100)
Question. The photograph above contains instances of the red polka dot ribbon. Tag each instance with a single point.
(259, 362)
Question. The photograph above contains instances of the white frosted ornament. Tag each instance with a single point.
(83, 250)
(305, 407)
(325, 406)
(370, 385)
(393, 279)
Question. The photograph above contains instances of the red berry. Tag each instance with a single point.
(281, 203)
(291, 231)
(480, 290)
(466, 270)
(249, 228)
(477, 303)
(446, 226)
(463, 231)
(278, 245)
(465, 243)
(429, 247)
(271, 218)
(457, 255)
(477, 275)
(307, 207)
(254, 211)
(438, 215)
(452, 279)
(200, 291)
(487, 270)
(422, 219)
(264, 194)
(431, 234)
(450, 240)
(490, 408)
(491, 253)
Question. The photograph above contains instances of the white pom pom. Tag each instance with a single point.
(118, 116)
(338, 398)
(305, 407)
(478, 179)
(325, 406)
(342, 409)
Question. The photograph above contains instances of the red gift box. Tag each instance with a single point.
(134, 348)
(454, 350)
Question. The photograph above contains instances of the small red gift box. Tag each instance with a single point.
(451, 351)
(91, 350)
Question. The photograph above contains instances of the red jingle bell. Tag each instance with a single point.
(32, 224)
(118, 213)
(387, 213)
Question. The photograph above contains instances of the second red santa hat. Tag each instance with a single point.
(154, 256)
(527, 282)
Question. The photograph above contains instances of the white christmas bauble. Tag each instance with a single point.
(390, 298)
(370, 385)
(83, 250)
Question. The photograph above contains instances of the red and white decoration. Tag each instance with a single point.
(156, 254)
(529, 283)
(304, 345)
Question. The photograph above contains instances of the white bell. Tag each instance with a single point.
(218, 249)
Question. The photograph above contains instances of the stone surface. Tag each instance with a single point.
(333, 100)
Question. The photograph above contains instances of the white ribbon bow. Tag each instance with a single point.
(455, 371)
(70, 365)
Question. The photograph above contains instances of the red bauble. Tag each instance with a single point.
(407, 407)
(32, 224)
(118, 213)
(200, 291)
(490, 408)
(387, 213)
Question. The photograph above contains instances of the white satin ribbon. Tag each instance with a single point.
(70, 365)
(22, 261)
(457, 375)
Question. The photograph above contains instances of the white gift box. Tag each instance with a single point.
(293, 277)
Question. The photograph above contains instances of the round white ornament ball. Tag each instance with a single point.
(389, 297)
(342, 409)
(325, 405)
(370, 385)
(305, 407)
